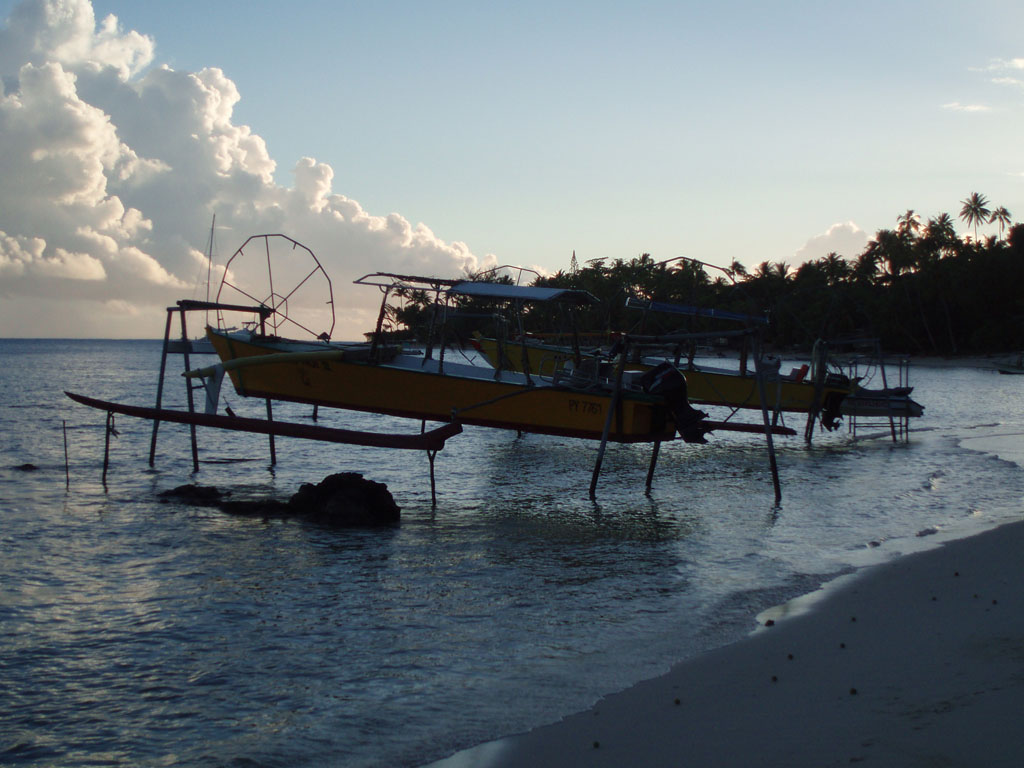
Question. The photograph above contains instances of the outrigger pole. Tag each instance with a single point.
(430, 441)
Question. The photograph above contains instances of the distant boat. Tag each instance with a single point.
(201, 346)
(1013, 369)
(894, 401)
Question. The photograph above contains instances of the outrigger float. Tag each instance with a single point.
(609, 405)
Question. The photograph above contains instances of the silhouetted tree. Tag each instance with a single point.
(1002, 216)
(975, 211)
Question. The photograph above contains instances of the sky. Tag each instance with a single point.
(435, 137)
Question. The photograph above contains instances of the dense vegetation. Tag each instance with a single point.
(919, 289)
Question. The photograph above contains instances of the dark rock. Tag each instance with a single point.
(200, 495)
(346, 499)
(27, 467)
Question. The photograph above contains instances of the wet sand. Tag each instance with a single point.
(916, 662)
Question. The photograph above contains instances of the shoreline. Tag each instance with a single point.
(918, 660)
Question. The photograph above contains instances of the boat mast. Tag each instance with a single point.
(209, 265)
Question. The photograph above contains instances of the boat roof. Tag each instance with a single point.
(685, 309)
(521, 292)
(479, 289)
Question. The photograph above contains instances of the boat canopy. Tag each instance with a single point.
(685, 309)
(477, 288)
(521, 292)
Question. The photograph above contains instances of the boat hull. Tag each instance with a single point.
(398, 388)
(895, 406)
(704, 387)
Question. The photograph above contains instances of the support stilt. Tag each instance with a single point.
(761, 390)
(433, 486)
(188, 390)
(160, 385)
(67, 470)
(273, 447)
(612, 407)
(654, 460)
(819, 357)
(106, 446)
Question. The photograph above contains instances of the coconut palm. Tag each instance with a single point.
(975, 211)
(940, 239)
(1002, 216)
(737, 269)
(909, 222)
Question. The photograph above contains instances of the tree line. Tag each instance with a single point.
(920, 288)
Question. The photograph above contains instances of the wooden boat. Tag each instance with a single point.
(336, 376)
(705, 385)
(1015, 368)
(618, 406)
(893, 401)
(427, 389)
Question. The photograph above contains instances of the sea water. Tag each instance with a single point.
(144, 632)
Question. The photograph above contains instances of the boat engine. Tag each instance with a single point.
(666, 381)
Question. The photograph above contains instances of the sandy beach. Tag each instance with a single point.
(916, 662)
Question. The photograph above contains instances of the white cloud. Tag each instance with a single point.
(112, 168)
(1006, 64)
(956, 106)
(844, 238)
(65, 32)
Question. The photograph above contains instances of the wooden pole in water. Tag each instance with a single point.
(761, 391)
(106, 446)
(819, 356)
(433, 487)
(612, 403)
(273, 447)
(160, 384)
(188, 390)
(67, 472)
(654, 461)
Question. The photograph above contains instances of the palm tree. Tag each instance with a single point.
(1001, 215)
(909, 222)
(940, 238)
(835, 268)
(893, 251)
(975, 211)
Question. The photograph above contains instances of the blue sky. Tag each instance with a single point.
(721, 131)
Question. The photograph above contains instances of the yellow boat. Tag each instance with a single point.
(705, 385)
(342, 376)
(377, 379)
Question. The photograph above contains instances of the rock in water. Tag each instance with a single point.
(200, 495)
(346, 499)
